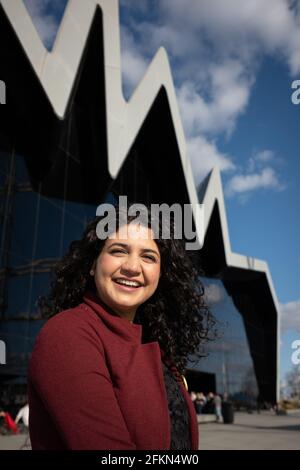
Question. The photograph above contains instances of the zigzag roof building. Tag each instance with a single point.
(69, 140)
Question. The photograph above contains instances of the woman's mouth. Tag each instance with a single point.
(127, 286)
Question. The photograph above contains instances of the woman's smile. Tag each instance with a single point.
(127, 287)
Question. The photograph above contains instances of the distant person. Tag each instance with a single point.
(200, 402)
(218, 407)
(9, 422)
(23, 415)
(210, 404)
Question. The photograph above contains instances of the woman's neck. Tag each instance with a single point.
(111, 310)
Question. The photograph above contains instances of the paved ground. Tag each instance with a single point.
(249, 431)
(264, 431)
(13, 442)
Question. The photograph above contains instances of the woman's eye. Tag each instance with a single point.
(149, 257)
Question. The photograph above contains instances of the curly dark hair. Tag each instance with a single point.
(176, 315)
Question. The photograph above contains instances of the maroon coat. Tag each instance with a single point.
(92, 384)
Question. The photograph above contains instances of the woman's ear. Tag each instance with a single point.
(93, 268)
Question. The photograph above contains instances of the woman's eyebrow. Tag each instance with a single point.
(125, 245)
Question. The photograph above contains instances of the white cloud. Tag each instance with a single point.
(256, 25)
(259, 159)
(264, 156)
(290, 316)
(242, 183)
(229, 99)
(204, 156)
(213, 294)
(134, 64)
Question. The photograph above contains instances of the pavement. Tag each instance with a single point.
(15, 442)
(265, 431)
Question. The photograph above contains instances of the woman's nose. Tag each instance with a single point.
(132, 265)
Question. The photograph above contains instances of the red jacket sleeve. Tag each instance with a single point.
(69, 375)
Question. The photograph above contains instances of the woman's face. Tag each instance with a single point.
(132, 257)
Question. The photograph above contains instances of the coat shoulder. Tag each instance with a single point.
(74, 324)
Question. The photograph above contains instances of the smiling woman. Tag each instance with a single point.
(106, 370)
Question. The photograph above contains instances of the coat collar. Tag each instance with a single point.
(120, 326)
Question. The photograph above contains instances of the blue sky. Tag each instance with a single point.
(233, 65)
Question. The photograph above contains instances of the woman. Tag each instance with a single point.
(106, 370)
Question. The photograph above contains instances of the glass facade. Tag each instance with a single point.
(228, 357)
(53, 176)
(36, 230)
